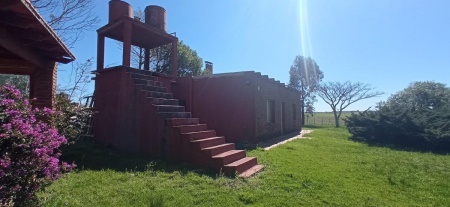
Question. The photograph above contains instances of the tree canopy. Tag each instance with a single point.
(420, 96)
(21, 82)
(188, 62)
(305, 76)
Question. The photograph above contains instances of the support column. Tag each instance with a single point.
(43, 86)
(126, 44)
(146, 59)
(100, 52)
(174, 58)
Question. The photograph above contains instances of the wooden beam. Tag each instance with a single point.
(6, 4)
(127, 31)
(174, 58)
(18, 20)
(15, 66)
(100, 52)
(14, 45)
(146, 59)
(45, 46)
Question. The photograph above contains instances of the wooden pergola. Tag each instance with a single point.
(29, 46)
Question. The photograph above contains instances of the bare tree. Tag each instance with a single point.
(69, 18)
(341, 95)
(78, 80)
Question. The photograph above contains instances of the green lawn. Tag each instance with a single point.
(326, 170)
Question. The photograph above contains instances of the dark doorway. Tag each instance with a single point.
(283, 117)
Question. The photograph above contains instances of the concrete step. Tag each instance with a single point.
(171, 115)
(208, 142)
(163, 101)
(147, 82)
(228, 157)
(239, 166)
(190, 128)
(151, 88)
(183, 121)
(252, 171)
(169, 108)
(143, 76)
(155, 94)
(191, 136)
(215, 150)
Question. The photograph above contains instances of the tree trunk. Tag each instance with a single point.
(336, 119)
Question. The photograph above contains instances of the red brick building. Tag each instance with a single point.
(189, 119)
(242, 106)
(29, 46)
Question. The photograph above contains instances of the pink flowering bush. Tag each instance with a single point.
(28, 149)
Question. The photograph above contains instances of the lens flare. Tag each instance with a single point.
(305, 37)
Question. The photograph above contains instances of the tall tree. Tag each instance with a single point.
(341, 95)
(305, 76)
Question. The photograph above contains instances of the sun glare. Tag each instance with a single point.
(306, 48)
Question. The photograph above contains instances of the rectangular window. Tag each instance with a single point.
(294, 111)
(270, 111)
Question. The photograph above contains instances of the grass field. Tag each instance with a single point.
(326, 170)
(325, 119)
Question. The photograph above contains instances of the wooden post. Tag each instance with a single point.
(126, 44)
(146, 59)
(100, 51)
(174, 58)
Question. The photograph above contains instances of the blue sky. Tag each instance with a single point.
(385, 43)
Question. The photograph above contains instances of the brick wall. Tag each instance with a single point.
(225, 102)
(43, 86)
(269, 89)
(234, 104)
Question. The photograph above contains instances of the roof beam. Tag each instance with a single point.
(14, 45)
(15, 66)
(17, 20)
(6, 4)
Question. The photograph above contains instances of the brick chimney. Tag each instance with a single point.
(208, 67)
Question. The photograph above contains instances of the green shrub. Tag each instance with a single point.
(71, 119)
(29, 155)
(417, 117)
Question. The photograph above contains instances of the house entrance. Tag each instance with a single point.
(283, 115)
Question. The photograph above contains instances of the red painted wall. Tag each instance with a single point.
(226, 103)
(125, 118)
(234, 104)
(269, 89)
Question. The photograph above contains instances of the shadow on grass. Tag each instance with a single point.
(245, 146)
(314, 127)
(320, 127)
(89, 156)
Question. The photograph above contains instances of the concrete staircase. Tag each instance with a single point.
(187, 139)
